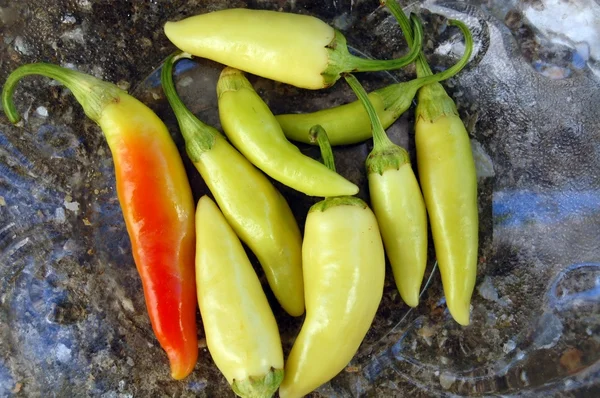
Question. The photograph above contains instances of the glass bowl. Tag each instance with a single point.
(73, 318)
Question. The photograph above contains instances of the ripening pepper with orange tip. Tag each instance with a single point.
(155, 198)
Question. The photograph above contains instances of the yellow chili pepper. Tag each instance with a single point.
(398, 204)
(296, 49)
(350, 124)
(254, 131)
(241, 331)
(449, 183)
(254, 208)
(344, 269)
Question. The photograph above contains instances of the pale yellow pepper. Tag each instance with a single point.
(254, 208)
(241, 331)
(449, 184)
(344, 269)
(250, 125)
(291, 48)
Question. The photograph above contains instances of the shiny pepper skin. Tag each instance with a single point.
(349, 123)
(291, 48)
(398, 204)
(156, 201)
(241, 331)
(254, 208)
(344, 268)
(449, 183)
(249, 124)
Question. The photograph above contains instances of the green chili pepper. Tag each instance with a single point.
(449, 183)
(254, 131)
(398, 204)
(254, 208)
(344, 267)
(350, 124)
(296, 49)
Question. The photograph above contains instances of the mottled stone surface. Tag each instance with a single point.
(72, 313)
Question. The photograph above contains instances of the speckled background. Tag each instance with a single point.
(72, 314)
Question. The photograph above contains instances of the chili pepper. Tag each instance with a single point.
(344, 268)
(296, 49)
(449, 183)
(398, 205)
(254, 131)
(254, 208)
(350, 124)
(241, 331)
(155, 198)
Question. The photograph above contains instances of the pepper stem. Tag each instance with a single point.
(93, 94)
(423, 68)
(380, 138)
(433, 99)
(358, 64)
(341, 61)
(199, 137)
(394, 95)
(318, 134)
(385, 154)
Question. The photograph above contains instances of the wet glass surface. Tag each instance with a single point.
(72, 313)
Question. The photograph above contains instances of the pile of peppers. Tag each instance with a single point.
(191, 255)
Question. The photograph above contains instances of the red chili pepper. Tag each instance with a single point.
(155, 198)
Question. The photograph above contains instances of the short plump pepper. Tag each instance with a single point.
(254, 131)
(255, 209)
(449, 184)
(349, 123)
(155, 198)
(291, 48)
(241, 331)
(344, 268)
(398, 205)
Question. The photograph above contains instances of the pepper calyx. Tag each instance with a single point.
(338, 56)
(258, 386)
(433, 103)
(388, 158)
(232, 79)
(335, 201)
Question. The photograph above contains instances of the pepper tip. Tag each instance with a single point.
(182, 366)
(460, 313)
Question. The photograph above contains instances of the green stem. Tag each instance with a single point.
(318, 134)
(93, 94)
(358, 64)
(423, 68)
(380, 138)
(199, 137)
(391, 94)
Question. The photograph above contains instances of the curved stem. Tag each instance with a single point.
(457, 67)
(199, 137)
(357, 64)
(93, 94)
(390, 94)
(423, 68)
(318, 134)
(380, 138)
